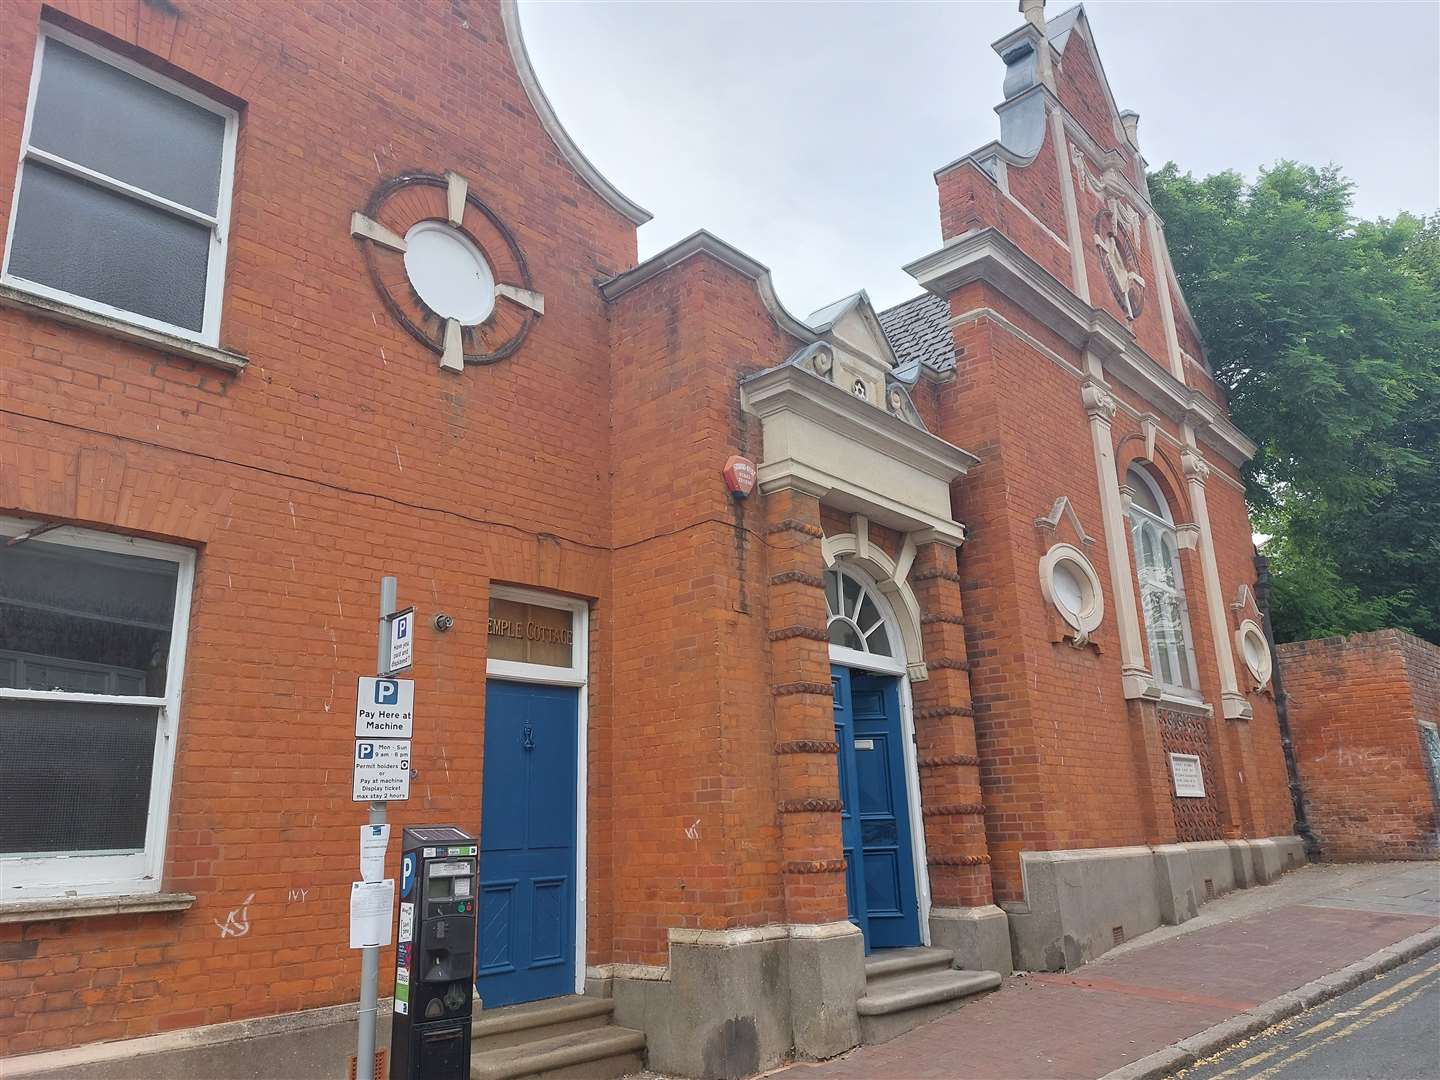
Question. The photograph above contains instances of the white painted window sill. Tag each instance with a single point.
(45, 909)
(225, 359)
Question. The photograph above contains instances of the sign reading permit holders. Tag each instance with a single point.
(385, 709)
(382, 770)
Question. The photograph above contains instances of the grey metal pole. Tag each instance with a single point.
(370, 958)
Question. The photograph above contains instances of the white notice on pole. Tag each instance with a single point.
(370, 905)
(374, 840)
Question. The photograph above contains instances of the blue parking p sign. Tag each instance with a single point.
(402, 638)
(384, 708)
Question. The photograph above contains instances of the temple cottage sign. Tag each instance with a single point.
(530, 633)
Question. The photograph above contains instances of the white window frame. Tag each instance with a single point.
(863, 658)
(219, 222)
(86, 873)
(1164, 527)
(577, 675)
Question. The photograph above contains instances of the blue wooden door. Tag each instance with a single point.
(526, 929)
(875, 820)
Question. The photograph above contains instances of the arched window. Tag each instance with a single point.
(855, 614)
(1162, 588)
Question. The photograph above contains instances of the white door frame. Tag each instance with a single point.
(886, 665)
(576, 675)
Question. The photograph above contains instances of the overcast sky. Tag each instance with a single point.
(806, 134)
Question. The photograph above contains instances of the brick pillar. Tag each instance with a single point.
(806, 772)
(955, 844)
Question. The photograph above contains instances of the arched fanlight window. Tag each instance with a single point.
(855, 615)
(1162, 588)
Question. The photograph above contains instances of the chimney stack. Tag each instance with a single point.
(1130, 120)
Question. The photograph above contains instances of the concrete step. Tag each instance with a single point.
(898, 1003)
(512, 1025)
(593, 1054)
(887, 963)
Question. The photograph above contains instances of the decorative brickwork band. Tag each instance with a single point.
(807, 746)
(800, 577)
(936, 761)
(934, 573)
(820, 689)
(811, 806)
(796, 525)
(787, 632)
(936, 712)
(942, 617)
(817, 866)
(959, 860)
(954, 810)
(948, 664)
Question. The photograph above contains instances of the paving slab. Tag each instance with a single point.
(1137, 1001)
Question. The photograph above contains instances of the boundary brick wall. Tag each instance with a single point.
(1355, 705)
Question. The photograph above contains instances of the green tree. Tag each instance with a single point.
(1325, 333)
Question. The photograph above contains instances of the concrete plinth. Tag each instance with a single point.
(1079, 904)
(978, 936)
(736, 1002)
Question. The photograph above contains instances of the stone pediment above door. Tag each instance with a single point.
(852, 452)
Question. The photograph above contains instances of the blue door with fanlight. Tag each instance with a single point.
(875, 819)
(526, 926)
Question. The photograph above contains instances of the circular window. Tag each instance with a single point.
(1069, 583)
(449, 273)
(1072, 591)
(1255, 651)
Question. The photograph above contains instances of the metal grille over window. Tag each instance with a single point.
(853, 615)
(122, 203)
(89, 684)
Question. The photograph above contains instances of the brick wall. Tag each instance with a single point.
(341, 453)
(1355, 705)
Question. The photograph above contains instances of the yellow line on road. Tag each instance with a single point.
(1374, 999)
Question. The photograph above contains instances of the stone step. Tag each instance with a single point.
(887, 963)
(593, 1054)
(512, 1025)
(896, 1004)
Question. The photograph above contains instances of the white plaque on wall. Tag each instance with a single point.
(1188, 776)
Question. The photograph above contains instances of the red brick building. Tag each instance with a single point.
(1363, 716)
(294, 297)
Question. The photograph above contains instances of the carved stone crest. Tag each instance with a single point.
(1118, 257)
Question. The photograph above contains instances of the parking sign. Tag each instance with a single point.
(384, 708)
(402, 640)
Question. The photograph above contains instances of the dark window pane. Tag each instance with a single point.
(72, 235)
(76, 776)
(100, 117)
(84, 621)
(879, 641)
(844, 633)
(832, 592)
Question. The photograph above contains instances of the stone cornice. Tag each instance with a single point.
(989, 256)
(792, 388)
(702, 242)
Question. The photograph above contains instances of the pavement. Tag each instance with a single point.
(1384, 1029)
(1146, 1009)
(1155, 1005)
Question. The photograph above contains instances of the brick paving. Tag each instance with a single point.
(1083, 1024)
